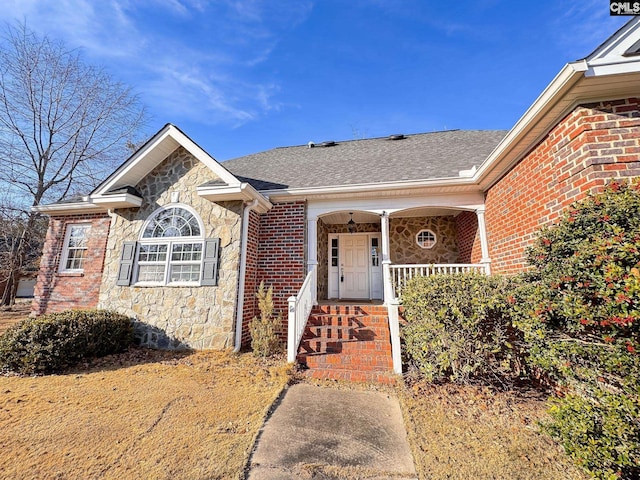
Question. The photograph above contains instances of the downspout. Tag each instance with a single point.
(243, 269)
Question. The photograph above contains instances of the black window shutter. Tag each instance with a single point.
(210, 262)
(126, 264)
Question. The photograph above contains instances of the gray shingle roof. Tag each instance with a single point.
(378, 160)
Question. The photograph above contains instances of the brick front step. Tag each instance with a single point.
(383, 378)
(347, 342)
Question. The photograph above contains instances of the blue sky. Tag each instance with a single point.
(242, 76)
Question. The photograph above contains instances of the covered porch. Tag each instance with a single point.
(358, 252)
(362, 255)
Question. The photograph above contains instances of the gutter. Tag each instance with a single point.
(243, 269)
(563, 83)
(368, 187)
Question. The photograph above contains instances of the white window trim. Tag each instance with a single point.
(170, 242)
(435, 238)
(65, 247)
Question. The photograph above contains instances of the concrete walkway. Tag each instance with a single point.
(323, 433)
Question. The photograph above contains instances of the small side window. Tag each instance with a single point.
(74, 250)
(426, 239)
(334, 252)
(375, 252)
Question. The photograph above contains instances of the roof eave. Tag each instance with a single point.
(405, 186)
(546, 106)
(120, 200)
(243, 191)
(583, 81)
(64, 209)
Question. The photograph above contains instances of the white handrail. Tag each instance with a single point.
(299, 309)
(401, 274)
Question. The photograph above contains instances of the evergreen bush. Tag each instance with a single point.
(579, 312)
(459, 329)
(56, 341)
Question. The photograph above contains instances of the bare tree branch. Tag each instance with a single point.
(63, 125)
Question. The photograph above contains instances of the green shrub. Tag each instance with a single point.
(459, 328)
(265, 338)
(579, 312)
(56, 341)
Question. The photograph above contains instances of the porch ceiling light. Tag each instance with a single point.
(351, 225)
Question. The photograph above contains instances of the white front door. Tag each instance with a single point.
(354, 266)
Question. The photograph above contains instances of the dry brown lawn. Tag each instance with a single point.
(11, 316)
(470, 432)
(142, 414)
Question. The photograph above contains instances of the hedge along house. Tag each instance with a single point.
(180, 242)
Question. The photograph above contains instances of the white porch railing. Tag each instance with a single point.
(299, 309)
(401, 274)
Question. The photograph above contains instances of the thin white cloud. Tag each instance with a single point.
(205, 80)
(581, 26)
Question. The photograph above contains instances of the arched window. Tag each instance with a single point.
(171, 248)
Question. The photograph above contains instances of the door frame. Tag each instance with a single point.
(333, 273)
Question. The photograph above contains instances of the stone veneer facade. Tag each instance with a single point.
(167, 316)
(402, 242)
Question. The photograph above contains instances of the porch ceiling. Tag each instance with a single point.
(342, 217)
(425, 212)
(337, 218)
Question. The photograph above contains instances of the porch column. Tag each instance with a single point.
(390, 299)
(312, 250)
(484, 244)
(386, 259)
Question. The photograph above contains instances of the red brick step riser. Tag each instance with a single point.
(353, 376)
(348, 342)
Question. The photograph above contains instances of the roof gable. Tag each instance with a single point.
(151, 154)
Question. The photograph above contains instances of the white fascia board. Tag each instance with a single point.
(203, 156)
(613, 68)
(120, 200)
(561, 84)
(124, 169)
(243, 191)
(60, 209)
(172, 134)
(290, 193)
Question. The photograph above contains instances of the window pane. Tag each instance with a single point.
(185, 273)
(153, 253)
(151, 273)
(186, 252)
(75, 259)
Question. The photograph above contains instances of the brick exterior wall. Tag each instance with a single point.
(594, 143)
(250, 308)
(468, 238)
(56, 291)
(281, 253)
